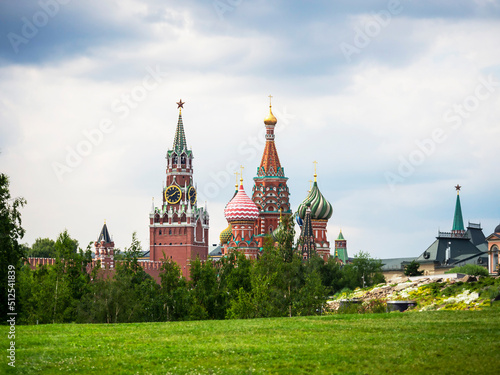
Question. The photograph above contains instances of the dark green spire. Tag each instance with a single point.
(458, 221)
(180, 137)
(180, 144)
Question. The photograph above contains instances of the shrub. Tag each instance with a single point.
(412, 269)
(470, 269)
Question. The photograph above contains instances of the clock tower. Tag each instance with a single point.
(178, 229)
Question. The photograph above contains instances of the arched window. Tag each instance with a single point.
(160, 231)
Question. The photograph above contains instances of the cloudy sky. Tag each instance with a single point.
(397, 101)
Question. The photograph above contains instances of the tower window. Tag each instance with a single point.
(160, 231)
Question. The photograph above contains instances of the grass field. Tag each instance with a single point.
(438, 342)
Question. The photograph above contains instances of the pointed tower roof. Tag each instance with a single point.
(306, 239)
(340, 237)
(180, 143)
(270, 164)
(104, 234)
(458, 221)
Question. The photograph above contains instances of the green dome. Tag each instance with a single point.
(321, 209)
(225, 235)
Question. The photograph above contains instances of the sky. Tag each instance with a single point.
(397, 101)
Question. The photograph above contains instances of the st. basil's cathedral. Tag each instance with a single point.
(179, 228)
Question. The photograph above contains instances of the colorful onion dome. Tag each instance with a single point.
(321, 209)
(241, 207)
(270, 120)
(225, 235)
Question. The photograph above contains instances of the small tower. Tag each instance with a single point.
(458, 229)
(104, 248)
(321, 211)
(306, 244)
(341, 248)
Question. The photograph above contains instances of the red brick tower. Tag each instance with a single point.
(270, 191)
(104, 249)
(178, 230)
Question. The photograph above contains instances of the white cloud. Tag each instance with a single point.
(355, 119)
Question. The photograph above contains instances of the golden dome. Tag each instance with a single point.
(225, 235)
(270, 120)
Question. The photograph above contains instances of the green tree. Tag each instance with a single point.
(11, 252)
(174, 292)
(43, 248)
(130, 296)
(363, 271)
(411, 269)
(207, 302)
(51, 293)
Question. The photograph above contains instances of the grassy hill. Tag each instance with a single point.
(412, 342)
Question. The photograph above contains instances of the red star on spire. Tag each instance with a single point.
(458, 187)
(180, 104)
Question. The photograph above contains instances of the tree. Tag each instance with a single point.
(174, 292)
(363, 271)
(43, 248)
(50, 294)
(208, 301)
(11, 252)
(411, 269)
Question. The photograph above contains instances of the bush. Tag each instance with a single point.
(412, 269)
(470, 269)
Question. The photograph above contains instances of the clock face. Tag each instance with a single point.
(173, 194)
(192, 195)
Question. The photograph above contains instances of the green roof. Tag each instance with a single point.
(340, 237)
(180, 144)
(458, 221)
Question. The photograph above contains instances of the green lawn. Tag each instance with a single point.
(438, 342)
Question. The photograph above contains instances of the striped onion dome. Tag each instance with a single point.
(225, 235)
(321, 209)
(241, 207)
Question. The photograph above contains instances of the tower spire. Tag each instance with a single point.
(180, 137)
(458, 221)
(270, 164)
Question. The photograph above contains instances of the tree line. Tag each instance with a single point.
(277, 284)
